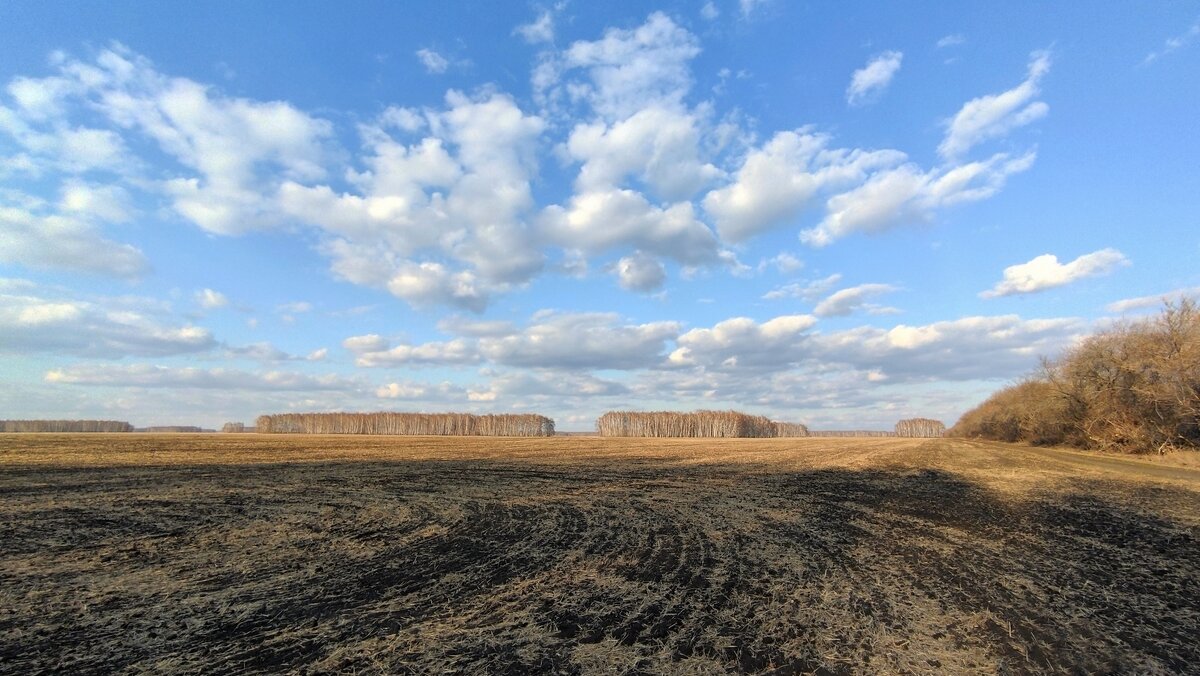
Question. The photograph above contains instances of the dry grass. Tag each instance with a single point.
(227, 553)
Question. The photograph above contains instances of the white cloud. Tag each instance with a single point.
(32, 321)
(210, 300)
(147, 375)
(748, 7)
(1155, 301)
(784, 262)
(994, 115)
(600, 221)
(434, 63)
(744, 344)
(633, 69)
(426, 284)
(68, 240)
(295, 307)
(371, 342)
(373, 351)
(108, 204)
(868, 82)
(540, 29)
(424, 392)
(581, 341)
(1174, 43)
(776, 181)
(235, 150)
(847, 301)
(659, 145)
(318, 355)
(952, 40)
(906, 194)
(640, 272)
(460, 195)
(709, 11)
(1045, 272)
(961, 349)
(809, 291)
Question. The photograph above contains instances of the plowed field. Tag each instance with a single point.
(235, 553)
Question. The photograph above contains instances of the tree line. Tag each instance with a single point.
(920, 427)
(1132, 388)
(64, 426)
(452, 424)
(694, 424)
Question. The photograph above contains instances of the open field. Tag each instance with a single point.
(227, 553)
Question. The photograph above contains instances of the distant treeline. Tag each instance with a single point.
(695, 424)
(64, 426)
(1132, 388)
(850, 433)
(452, 424)
(171, 428)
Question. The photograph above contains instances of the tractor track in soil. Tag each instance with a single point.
(913, 561)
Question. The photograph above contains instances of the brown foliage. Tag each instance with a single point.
(1133, 388)
(386, 422)
(920, 427)
(694, 424)
(233, 427)
(64, 426)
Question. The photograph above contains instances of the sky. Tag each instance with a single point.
(835, 215)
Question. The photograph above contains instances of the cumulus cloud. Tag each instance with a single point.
(68, 240)
(632, 69)
(578, 341)
(659, 145)
(434, 63)
(640, 272)
(32, 322)
(867, 83)
(906, 194)
(230, 151)
(961, 349)
(1045, 272)
(147, 375)
(994, 115)
(374, 351)
(742, 343)
(776, 181)
(210, 300)
(847, 301)
(423, 392)
(599, 221)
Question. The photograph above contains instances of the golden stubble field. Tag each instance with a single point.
(235, 553)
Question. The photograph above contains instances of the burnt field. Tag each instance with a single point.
(234, 553)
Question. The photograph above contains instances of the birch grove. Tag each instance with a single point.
(64, 426)
(920, 427)
(444, 424)
(694, 424)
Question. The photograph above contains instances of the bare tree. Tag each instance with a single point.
(694, 424)
(920, 427)
(64, 426)
(386, 422)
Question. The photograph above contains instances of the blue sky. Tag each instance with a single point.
(838, 216)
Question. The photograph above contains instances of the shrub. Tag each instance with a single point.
(1132, 388)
